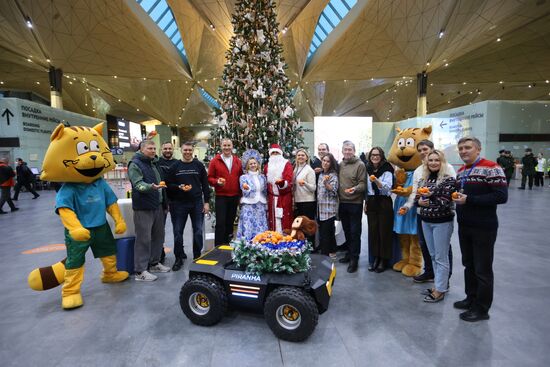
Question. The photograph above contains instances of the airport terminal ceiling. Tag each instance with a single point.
(139, 60)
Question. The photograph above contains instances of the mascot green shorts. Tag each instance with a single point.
(101, 241)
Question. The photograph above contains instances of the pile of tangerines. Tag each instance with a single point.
(271, 237)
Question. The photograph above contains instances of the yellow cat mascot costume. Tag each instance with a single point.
(404, 155)
(78, 156)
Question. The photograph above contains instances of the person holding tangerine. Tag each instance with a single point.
(253, 214)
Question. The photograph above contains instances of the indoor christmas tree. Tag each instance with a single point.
(256, 108)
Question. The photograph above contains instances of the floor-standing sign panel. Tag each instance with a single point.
(448, 127)
(33, 124)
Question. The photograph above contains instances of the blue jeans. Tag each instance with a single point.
(428, 268)
(351, 214)
(179, 211)
(438, 240)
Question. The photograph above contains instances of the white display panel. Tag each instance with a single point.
(334, 130)
(135, 135)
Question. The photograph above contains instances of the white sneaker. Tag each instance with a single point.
(145, 276)
(159, 268)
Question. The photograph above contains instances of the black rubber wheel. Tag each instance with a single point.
(203, 300)
(291, 313)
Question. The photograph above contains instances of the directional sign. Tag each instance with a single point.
(7, 113)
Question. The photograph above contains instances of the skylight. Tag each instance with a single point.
(210, 101)
(161, 14)
(331, 16)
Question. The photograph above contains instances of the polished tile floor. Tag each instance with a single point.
(373, 319)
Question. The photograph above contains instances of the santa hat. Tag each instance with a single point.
(275, 148)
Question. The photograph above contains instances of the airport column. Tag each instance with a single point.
(421, 102)
(56, 76)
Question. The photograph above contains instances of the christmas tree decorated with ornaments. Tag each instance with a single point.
(256, 101)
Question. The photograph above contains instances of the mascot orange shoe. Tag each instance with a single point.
(404, 155)
(79, 156)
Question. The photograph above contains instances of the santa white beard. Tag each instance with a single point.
(275, 168)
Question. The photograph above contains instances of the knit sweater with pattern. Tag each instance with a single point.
(441, 207)
(485, 186)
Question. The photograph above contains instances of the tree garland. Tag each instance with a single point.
(285, 255)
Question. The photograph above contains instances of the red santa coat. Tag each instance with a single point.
(283, 194)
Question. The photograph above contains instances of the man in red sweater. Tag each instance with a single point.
(483, 186)
(223, 174)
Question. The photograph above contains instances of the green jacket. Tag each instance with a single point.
(352, 174)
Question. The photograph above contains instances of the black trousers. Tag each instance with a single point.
(351, 214)
(524, 179)
(6, 197)
(327, 236)
(226, 211)
(308, 209)
(27, 185)
(539, 179)
(477, 247)
(380, 219)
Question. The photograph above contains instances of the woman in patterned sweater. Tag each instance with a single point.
(437, 212)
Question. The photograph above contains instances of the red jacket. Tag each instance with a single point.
(217, 169)
(7, 173)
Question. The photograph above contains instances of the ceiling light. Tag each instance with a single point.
(431, 84)
(447, 64)
(144, 78)
(137, 109)
(99, 89)
(114, 76)
(48, 60)
(169, 80)
(441, 33)
(38, 83)
(367, 101)
(498, 39)
(71, 83)
(530, 86)
(119, 100)
(501, 82)
(464, 83)
(428, 63)
(93, 109)
(85, 104)
(285, 29)
(448, 101)
(29, 60)
(547, 81)
(88, 89)
(28, 21)
(212, 27)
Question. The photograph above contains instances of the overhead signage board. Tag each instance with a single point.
(33, 124)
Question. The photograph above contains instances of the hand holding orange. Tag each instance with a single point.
(423, 190)
(372, 178)
(246, 187)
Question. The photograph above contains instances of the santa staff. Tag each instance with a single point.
(279, 173)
